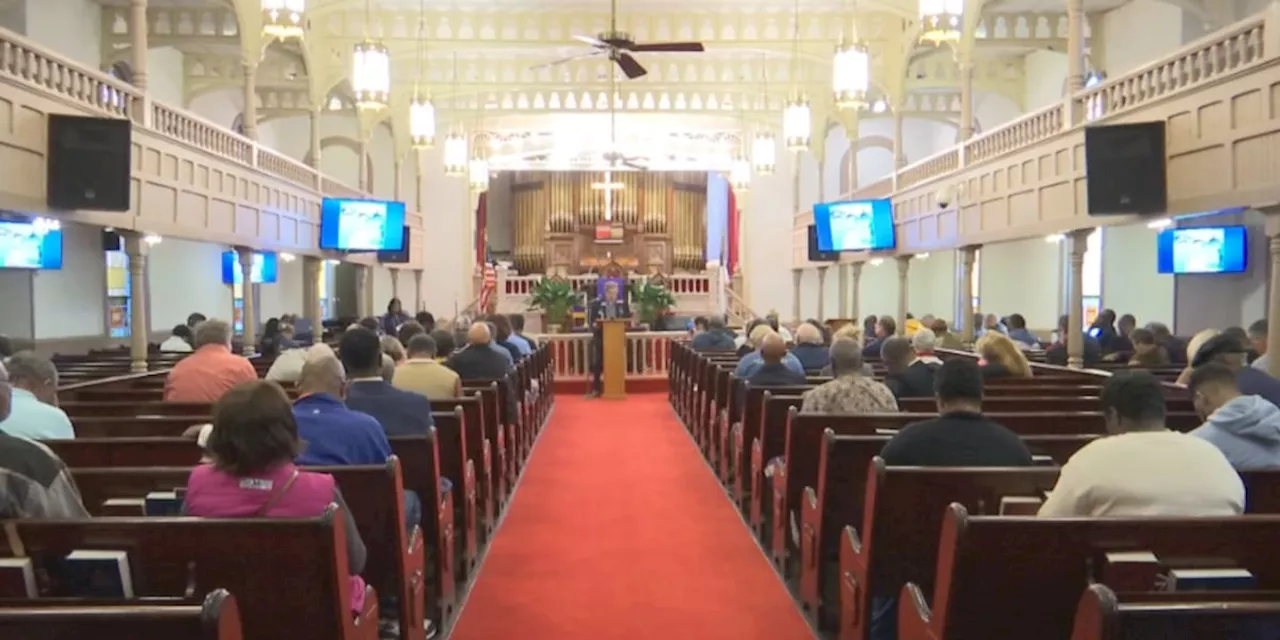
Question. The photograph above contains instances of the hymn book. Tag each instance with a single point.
(17, 578)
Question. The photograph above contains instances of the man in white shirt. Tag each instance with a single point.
(1144, 469)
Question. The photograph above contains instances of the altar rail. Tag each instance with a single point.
(696, 294)
(648, 354)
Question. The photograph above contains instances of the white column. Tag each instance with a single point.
(968, 256)
(417, 290)
(399, 181)
(1075, 60)
(312, 268)
(796, 276)
(365, 179)
(136, 249)
(1079, 240)
(395, 284)
(899, 148)
(138, 43)
(904, 267)
(966, 97)
(251, 102)
(842, 283)
(250, 311)
(855, 271)
(316, 140)
(369, 307)
(822, 291)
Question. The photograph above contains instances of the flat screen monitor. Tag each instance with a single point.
(1202, 250)
(361, 225)
(816, 255)
(265, 268)
(855, 225)
(30, 244)
(397, 257)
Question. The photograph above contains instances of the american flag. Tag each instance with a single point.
(488, 287)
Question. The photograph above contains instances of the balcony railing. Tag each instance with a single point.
(26, 64)
(648, 354)
(1210, 59)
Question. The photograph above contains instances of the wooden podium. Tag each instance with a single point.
(613, 350)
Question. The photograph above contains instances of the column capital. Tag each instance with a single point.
(856, 269)
(822, 270)
(904, 265)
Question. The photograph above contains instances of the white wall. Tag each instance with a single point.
(15, 313)
(1224, 300)
(71, 302)
(166, 78)
(878, 291)
(1046, 77)
(285, 296)
(448, 260)
(70, 27)
(931, 285)
(1024, 277)
(1139, 32)
(1130, 283)
(185, 276)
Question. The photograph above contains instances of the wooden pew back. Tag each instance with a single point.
(218, 618)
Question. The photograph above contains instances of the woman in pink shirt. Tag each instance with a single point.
(253, 443)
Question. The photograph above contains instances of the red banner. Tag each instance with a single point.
(731, 230)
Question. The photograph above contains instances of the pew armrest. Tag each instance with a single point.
(810, 534)
(364, 625)
(855, 592)
(915, 619)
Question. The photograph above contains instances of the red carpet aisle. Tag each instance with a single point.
(619, 531)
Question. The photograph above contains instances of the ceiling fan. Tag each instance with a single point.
(619, 46)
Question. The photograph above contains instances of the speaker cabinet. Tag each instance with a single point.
(817, 255)
(89, 162)
(1125, 169)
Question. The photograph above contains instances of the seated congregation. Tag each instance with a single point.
(377, 456)
(906, 484)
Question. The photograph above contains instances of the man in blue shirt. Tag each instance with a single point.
(752, 362)
(333, 433)
(525, 345)
(34, 411)
(399, 412)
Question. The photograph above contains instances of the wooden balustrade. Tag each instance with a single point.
(24, 63)
(648, 354)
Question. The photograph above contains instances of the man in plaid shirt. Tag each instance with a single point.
(34, 483)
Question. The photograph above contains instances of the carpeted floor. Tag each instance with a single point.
(619, 531)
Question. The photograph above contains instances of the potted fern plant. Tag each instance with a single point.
(651, 301)
(554, 297)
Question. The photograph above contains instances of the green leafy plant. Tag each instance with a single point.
(650, 300)
(554, 297)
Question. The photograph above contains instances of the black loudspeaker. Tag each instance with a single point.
(89, 163)
(1125, 171)
(817, 255)
(396, 257)
(111, 241)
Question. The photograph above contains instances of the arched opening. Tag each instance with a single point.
(344, 142)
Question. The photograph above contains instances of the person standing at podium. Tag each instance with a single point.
(608, 306)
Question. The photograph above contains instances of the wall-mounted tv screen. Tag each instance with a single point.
(264, 271)
(817, 255)
(856, 225)
(361, 225)
(396, 257)
(1202, 250)
(30, 244)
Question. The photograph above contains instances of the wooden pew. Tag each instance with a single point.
(460, 470)
(126, 452)
(1054, 404)
(477, 450)
(421, 470)
(897, 540)
(1021, 577)
(1103, 614)
(374, 493)
(135, 426)
(290, 575)
(218, 618)
(771, 443)
(77, 409)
